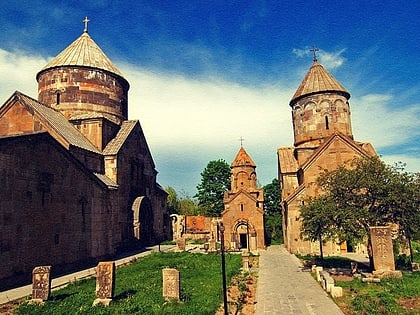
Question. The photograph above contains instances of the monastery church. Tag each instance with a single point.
(323, 140)
(78, 178)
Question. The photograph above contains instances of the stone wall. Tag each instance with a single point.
(50, 213)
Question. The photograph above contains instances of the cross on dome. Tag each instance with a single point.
(86, 21)
(314, 50)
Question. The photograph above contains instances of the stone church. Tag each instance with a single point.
(78, 178)
(323, 140)
(243, 217)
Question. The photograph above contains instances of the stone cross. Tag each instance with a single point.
(41, 283)
(314, 50)
(383, 254)
(170, 284)
(105, 282)
(86, 21)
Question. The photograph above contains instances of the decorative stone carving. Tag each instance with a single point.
(171, 285)
(105, 282)
(41, 283)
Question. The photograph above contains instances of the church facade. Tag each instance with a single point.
(78, 178)
(323, 140)
(243, 216)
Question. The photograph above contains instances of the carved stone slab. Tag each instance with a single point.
(170, 284)
(41, 283)
(105, 280)
(181, 243)
(383, 254)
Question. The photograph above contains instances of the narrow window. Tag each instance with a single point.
(58, 98)
(242, 207)
(326, 123)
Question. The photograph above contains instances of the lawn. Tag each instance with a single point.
(390, 296)
(138, 288)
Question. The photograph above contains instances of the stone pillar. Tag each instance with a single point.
(105, 282)
(245, 261)
(382, 251)
(171, 285)
(181, 243)
(41, 283)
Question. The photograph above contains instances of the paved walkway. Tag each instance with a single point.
(283, 288)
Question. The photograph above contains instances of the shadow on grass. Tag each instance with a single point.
(327, 262)
(60, 297)
(125, 295)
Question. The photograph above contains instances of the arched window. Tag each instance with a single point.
(326, 123)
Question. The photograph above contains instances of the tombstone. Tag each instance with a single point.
(212, 245)
(382, 251)
(105, 282)
(170, 284)
(245, 260)
(181, 243)
(41, 283)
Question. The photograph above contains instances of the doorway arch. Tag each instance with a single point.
(143, 220)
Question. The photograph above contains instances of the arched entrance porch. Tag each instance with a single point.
(143, 220)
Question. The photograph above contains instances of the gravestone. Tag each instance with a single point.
(382, 251)
(181, 243)
(245, 260)
(105, 282)
(41, 283)
(170, 284)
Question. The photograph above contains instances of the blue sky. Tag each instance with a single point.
(203, 74)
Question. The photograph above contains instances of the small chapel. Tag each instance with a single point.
(78, 178)
(243, 215)
(323, 140)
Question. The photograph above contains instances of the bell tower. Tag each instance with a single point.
(243, 172)
(320, 108)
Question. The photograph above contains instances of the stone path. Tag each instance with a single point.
(283, 288)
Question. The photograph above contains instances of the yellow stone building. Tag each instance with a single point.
(323, 140)
(243, 215)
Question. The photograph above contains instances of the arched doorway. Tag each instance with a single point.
(143, 220)
(242, 233)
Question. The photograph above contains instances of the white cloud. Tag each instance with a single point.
(18, 73)
(188, 122)
(379, 119)
(330, 60)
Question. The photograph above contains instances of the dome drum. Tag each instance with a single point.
(81, 90)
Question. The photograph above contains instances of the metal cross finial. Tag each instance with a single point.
(314, 50)
(242, 140)
(86, 21)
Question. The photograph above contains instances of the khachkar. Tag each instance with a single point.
(382, 252)
(105, 282)
(41, 284)
(171, 287)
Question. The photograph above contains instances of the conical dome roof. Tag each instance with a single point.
(318, 80)
(242, 159)
(83, 52)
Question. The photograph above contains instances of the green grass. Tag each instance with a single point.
(138, 288)
(385, 297)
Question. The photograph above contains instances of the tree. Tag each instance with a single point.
(369, 193)
(272, 212)
(215, 180)
(318, 220)
(172, 201)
